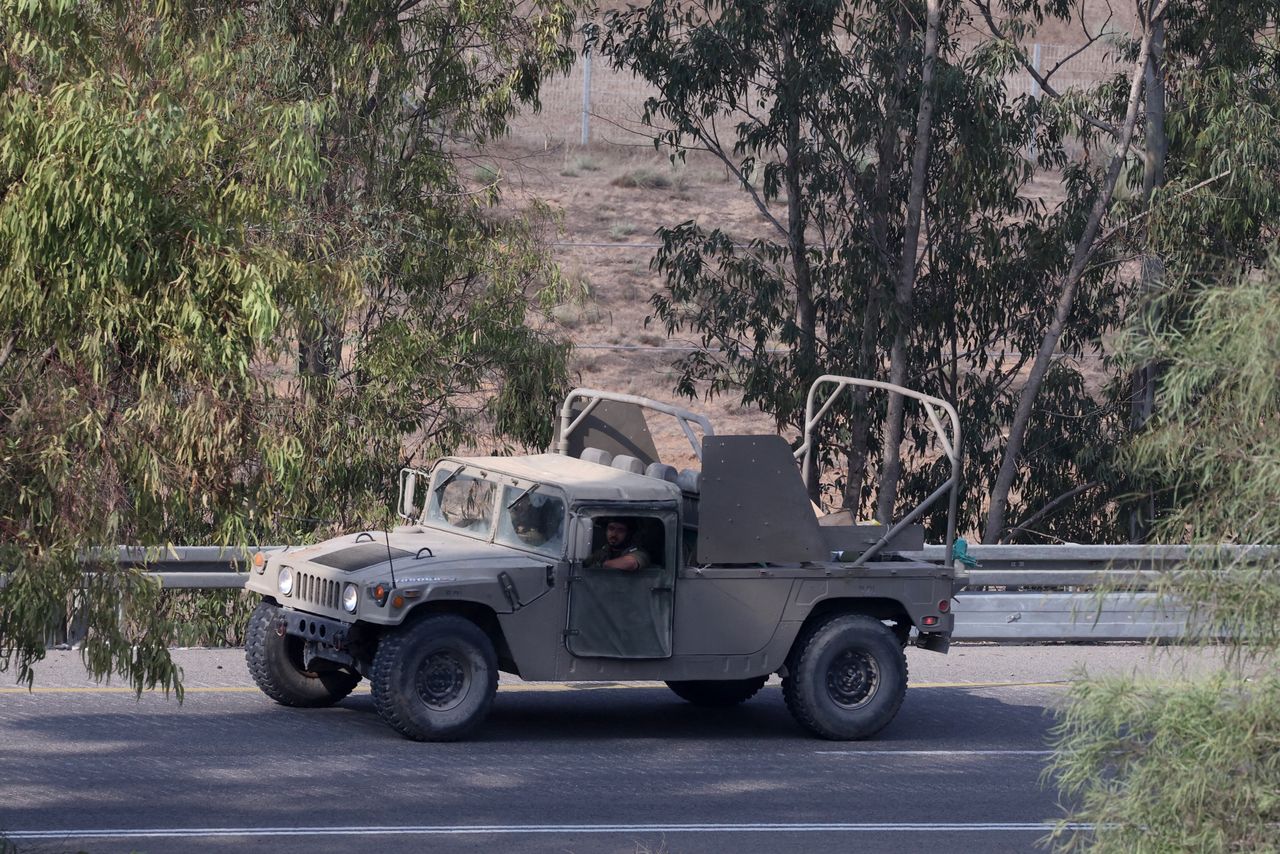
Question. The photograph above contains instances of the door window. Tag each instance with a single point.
(620, 603)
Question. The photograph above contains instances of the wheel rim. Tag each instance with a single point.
(852, 679)
(442, 680)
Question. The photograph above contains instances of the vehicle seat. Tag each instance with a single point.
(596, 455)
(662, 471)
(628, 463)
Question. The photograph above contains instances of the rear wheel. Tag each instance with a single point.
(435, 679)
(275, 663)
(847, 678)
(718, 692)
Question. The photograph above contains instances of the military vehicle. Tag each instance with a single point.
(599, 562)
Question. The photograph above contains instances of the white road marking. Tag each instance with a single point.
(891, 752)
(564, 829)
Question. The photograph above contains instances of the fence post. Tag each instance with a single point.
(586, 96)
(1035, 63)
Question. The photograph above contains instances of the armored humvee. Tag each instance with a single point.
(728, 574)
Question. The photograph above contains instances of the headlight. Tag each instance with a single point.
(285, 581)
(350, 598)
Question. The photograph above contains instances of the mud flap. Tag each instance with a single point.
(934, 642)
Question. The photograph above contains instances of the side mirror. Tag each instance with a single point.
(408, 486)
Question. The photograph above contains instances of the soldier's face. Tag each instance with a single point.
(616, 533)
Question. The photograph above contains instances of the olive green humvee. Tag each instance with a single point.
(601, 563)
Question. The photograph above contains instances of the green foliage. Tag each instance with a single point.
(137, 281)
(242, 282)
(209, 618)
(1172, 766)
(1214, 448)
(812, 108)
(1196, 766)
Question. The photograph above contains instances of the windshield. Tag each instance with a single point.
(462, 501)
(531, 519)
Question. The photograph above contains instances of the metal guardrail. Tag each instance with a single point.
(1063, 604)
(1060, 607)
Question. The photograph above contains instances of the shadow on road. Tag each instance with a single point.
(598, 755)
(938, 718)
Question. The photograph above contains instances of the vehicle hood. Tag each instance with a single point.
(414, 554)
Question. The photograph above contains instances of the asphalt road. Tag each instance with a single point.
(557, 768)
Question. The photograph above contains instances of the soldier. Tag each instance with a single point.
(620, 550)
(537, 519)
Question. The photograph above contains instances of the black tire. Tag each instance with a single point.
(846, 678)
(434, 680)
(718, 692)
(275, 663)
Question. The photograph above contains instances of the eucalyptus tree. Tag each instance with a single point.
(1192, 764)
(140, 174)
(1185, 125)
(1119, 135)
(818, 109)
(418, 290)
(242, 278)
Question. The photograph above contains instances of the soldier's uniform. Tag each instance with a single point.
(608, 552)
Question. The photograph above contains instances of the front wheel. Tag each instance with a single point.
(435, 679)
(717, 692)
(847, 678)
(275, 663)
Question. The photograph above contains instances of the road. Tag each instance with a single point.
(557, 768)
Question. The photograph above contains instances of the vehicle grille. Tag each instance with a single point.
(318, 591)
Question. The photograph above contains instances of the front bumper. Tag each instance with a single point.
(311, 627)
(325, 639)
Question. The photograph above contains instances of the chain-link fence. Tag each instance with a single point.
(597, 103)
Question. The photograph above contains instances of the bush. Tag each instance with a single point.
(1161, 766)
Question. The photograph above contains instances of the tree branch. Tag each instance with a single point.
(7, 350)
(1041, 79)
(1114, 230)
(1049, 508)
(1085, 248)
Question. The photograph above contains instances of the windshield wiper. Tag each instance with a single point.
(528, 491)
(449, 478)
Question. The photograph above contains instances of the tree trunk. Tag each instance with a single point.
(797, 243)
(994, 528)
(887, 150)
(320, 338)
(1143, 384)
(891, 471)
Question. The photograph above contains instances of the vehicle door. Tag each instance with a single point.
(617, 613)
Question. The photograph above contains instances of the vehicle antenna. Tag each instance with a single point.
(390, 565)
